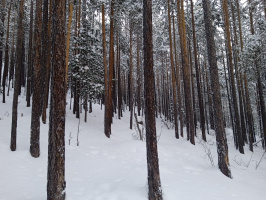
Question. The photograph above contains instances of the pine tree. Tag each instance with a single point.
(87, 65)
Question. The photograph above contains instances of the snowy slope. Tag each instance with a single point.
(115, 169)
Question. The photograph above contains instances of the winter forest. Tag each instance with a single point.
(132, 99)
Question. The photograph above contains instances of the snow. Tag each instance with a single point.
(115, 169)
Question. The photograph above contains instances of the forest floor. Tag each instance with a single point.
(115, 169)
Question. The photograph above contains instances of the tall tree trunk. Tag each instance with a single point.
(209, 96)
(178, 82)
(48, 65)
(249, 117)
(111, 65)
(17, 78)
(119, 86)
(222, 148)
(73, 70)
(260, 128)
(70, 14)
(131, 74)
(173, 72)
(154, 182)
(186, 73)
(114, 99)
(44, 61)
(231, 71)
(200, 99)
(239, 25)
(36, 98)
(30, 58)
(76, 80)
(124, 91)
(56, 150)
(237, 72)
(204, 81)
(2, 16)
(138, 76)
(106, 110)
(192, 86)
(159, 94)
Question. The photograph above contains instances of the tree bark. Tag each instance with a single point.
(36, 98)
(131, 74)
(173, 73)
(138, 76)
(46, 55)
(192, 87)
(238, 73)
(186, 74)
(222, 149)
(106, 117)
(119, 87)
(17, 78)
(44, 51)
(178, 83)
(230, 61)
(200, 99)
(249, 117)
(111, 65)
(30, 58)
(209, 97)
(70, 14)
(154, 183)
(56, 150)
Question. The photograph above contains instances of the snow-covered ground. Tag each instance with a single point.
(115, 169)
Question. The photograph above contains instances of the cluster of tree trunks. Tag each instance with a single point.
(183, 90)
